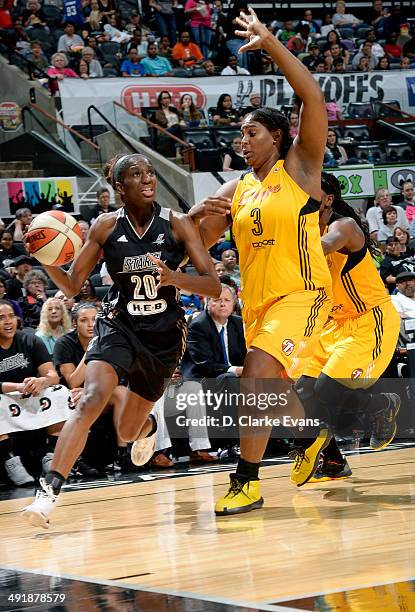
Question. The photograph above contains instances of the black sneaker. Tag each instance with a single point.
(384, 424)
(331, 470)
(83, 470)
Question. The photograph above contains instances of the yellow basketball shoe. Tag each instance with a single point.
(241, 497)
(307, 459)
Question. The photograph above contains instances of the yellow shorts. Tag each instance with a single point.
(289, 328)
(358, 350)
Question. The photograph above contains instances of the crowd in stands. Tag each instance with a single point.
(92, 38)
(59, 330)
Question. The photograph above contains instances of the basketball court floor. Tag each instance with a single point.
(152, 542)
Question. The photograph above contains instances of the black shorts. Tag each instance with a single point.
(146, 359)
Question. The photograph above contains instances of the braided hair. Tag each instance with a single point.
(273, 120)
(331, 186)
(115, 167)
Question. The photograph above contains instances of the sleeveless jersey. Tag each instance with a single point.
(357, 286)
(133, 293)
(276, 230)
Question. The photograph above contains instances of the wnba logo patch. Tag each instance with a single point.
(357, 373)
(287, 346)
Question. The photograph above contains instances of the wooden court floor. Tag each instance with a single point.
(163, 536)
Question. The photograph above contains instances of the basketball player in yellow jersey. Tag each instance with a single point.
(358, 341)
(286, 283)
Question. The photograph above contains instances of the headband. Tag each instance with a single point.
(117, 167)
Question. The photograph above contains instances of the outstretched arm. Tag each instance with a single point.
(343, 235)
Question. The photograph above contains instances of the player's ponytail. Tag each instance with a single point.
(331, 186)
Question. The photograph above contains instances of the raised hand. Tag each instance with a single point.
(211, 207)
(253, 30)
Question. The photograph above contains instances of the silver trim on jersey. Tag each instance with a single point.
(148, 227)
(164, 213)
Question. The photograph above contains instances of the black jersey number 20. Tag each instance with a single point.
(148, 283)
(258, 229)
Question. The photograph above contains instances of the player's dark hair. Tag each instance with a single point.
(114, 169)
(77, 309)
(273, 120)
(331, 186)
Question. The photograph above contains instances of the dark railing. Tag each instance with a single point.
(29, 111)
(65, 126)
(180, 200)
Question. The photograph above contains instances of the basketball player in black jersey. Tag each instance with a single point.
(140, 334)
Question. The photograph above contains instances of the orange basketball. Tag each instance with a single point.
(54, 238)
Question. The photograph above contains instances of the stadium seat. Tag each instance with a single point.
(225, 137)
(96, 280)
(110, 72)
(398, 151)
(409, 126)
(372, 150)
(349, 44)
(360, 110)
(209, 160)
(346, 32)
(53, 15)
(199, 138)
(357, 132)
(361, 32)
(101, 292)
(382, 111)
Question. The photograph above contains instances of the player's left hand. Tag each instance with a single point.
(166, 276)
(33, 386)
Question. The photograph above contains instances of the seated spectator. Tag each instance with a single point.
(185, 53)
(286, 32)
(8, 248)
(333, 111)
(84, 225)
(166, 406)
(34, 285)
(341, 18)
(88, 295)
(366, 52)
(54, 322)
(22, 265)
(67, 302)
(37, 57)
(318, 66)
(229, 260)
(6, 21)
(404, 238)
(383, 63)
(82, 69)
(26, 368)
(92, 43)
(338, 65)
(165, 49)
(404, 299)
(389, 216)
(363, 65)
(23, 220)
(94, 21)
(374, 216)
(234, 160)
(190, 116)
(326, 25)
(69, 40)
(391, 47)
(154, 64)
(313, 54)
(405, 63)
(408, 49)
(379, 14)
(293, 124)
(103, 203)
(377, 49)
(141, 46)
(407, 201)
(314, 27)
(114, 30)
(169, 118)
(132, 66)
(389, 267)
(17, 310)
(300, 41)
(94, 67)
(232, 68)
(336, 151)
(165, 17)
(136, 23)
(209, 67)
(254, 103)
(59, 71)
(107, 8)
(225, 113)
(33, 16)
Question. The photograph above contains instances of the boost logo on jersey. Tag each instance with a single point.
(263, 243)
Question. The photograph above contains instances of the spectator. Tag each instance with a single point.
(232, 68)
(366, 52)
(107, 8)
(165, 17)
(69, 40)
(141, 46)
(155, 65)
(374, 215)
(391, 47)
(165, 49)
(409, 47)
(67, 302)
(105, 277)
(59, 71)
(200, 14)
(115, 32)
(233, 41)
(254, 102)
(94, 19)
(23, 220)
(209, 67)
(377, 49)
(390, 264)
(389, 216)
(379, 14)
(363, 65)
(82, 69)
(132, 66)
(314, 27)
(293, 124)
(186, 53)
(168, 117)
(33, 16)
(333, 111)
(234, 160)
(404, 299)
(54, 322)
(327, 25)
(300, 41)
(404, 238)
(338, 65)
(225, 113)
(8, 249)
(313, 54)
(14, 286)
(34, 286)
(407, 202)
(103, 205)
(190, 115)
(37, 57)
(404, 35)
(318, 66)
(17, 310)
(383, 63)
(405, 63)
(336, 151)
(337, 51)
(95, 68)
(286, 32)
(6, 21)
(229, 260)
(341, 18)
(73, 13)
(136, 23)
(26, 368)
(88, 294)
